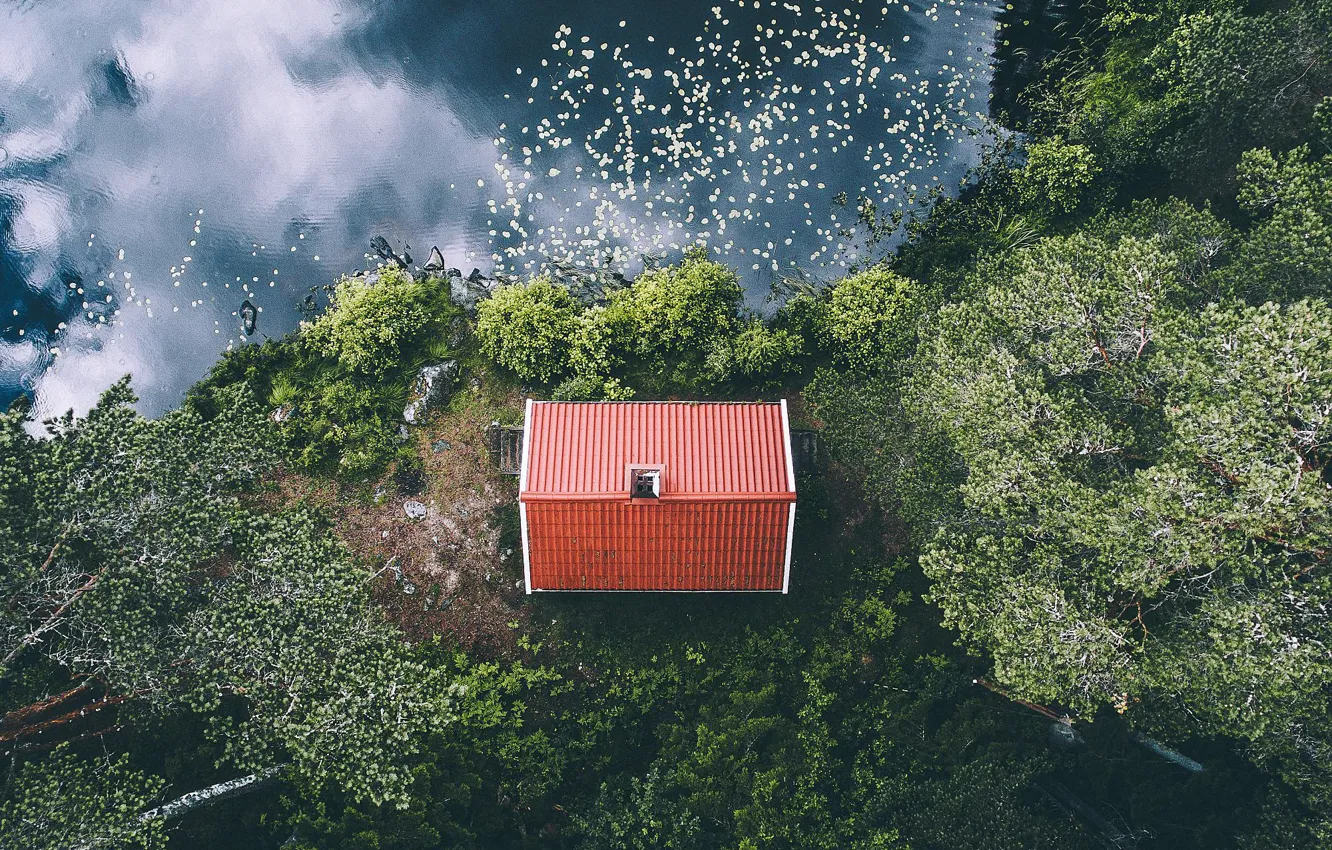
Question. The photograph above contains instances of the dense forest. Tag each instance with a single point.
(1065, 581)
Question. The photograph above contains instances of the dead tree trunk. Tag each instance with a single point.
(213, 794)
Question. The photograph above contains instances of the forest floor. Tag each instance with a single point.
(457, 571)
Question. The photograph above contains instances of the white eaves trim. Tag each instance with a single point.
(791, 483)
(522, 487)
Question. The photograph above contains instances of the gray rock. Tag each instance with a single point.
(433, 389)
(440, 446)
(282, 413)
(1064, 735)
(432, 596)
(414, 509)
(435, 262)
(249, 315)
(380, 494)
(385, 251)
(467, 291)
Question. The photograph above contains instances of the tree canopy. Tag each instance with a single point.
(1065, 583)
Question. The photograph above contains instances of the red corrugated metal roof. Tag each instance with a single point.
(657, 546)
(705, 448)
(724, 518)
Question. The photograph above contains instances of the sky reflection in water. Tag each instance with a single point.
(162, 161)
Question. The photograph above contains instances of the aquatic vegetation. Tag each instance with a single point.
(721, 141)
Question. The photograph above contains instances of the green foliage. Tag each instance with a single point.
(905, 464)
(371, 320)
(1141, 486)
(591, 387)
(605, 337)
(338, 387)
(527, 327)
(340, 420)
(741, 769)
(138, 572)
(673, 329)
(1286, 254)
(869, 318)
(1239, 79)
(1057, 391)
(1170, 94)
(118, 516)
(758, 354)
(1323, 125)
(682, 312)
(327, 683)
(64, 801)
(1056, 173)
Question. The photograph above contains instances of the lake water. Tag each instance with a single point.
(163, 160)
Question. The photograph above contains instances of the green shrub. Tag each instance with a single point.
(527, 328)
(869, 317)
(339, 424)
(591, 388)
(368, 323)
(1056, 174)
(606, 335)
(682, 310)
(760, 350)
(762, 354)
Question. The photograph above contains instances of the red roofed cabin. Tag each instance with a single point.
(685, 496)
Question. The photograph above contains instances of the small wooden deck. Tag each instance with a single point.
(809, 455)
(808, 452)
(506, 446)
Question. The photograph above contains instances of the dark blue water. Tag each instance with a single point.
(162, 161)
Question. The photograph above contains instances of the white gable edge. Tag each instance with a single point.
(522, 506)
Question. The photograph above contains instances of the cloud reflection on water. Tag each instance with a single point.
(307, 125)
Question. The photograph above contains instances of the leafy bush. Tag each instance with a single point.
(527, 327)
(605, 337)
(1238, 79)
(591, 388)
(1056, 174)
(869, 317)
(370, 321)
(759, 354)
(347, 422)
(67, 801)
(659, 333)
(682, 311)
(760, 350)
(1286, 254)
